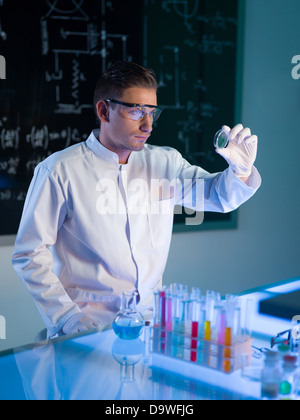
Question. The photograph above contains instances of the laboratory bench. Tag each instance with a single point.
(100, 366)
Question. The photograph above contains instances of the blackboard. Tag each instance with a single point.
(55, 51)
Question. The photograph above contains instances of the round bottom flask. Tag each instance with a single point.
(221, 139)
(128, 323)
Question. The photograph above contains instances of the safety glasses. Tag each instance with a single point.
(137, 111)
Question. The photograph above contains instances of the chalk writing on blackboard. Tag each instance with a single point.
(68, 36)
(64, 45)
(2, 67)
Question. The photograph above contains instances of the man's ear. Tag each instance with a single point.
(102, 111)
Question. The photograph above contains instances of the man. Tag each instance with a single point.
(93, 223)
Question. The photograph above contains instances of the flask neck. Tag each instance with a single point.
(129, 301)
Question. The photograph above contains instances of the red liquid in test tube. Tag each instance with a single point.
(162, 298)
(194, 343)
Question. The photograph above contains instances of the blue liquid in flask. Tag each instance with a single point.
(128, 323)
(125, 330)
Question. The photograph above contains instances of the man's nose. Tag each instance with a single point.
(146, 123)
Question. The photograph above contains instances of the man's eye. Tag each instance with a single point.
(135, 113)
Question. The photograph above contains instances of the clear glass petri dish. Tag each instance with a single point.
(221, 139)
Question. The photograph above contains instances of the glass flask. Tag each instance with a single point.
(128, 323)
(128, 354)
(221, 139)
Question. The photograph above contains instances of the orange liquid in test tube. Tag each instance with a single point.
(227, 351)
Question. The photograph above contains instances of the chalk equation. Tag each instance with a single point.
(40, 140)
(39, 137)
(10, 138)
(70, 34)
(42, 137)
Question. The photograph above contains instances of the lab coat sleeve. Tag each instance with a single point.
(218, 192)
(44, 211)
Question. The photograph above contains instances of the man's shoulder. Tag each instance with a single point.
(65, 156)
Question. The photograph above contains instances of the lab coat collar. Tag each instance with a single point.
(94, 144)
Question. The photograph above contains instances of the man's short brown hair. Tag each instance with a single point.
(123, 75)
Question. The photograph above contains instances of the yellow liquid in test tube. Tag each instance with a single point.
(206, 345)
(207, 331)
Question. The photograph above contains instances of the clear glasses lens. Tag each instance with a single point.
(133, 113)
(137, 113)
(157, 114)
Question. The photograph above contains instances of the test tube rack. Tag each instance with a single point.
(201, 352)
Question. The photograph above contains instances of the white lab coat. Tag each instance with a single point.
(92, 228)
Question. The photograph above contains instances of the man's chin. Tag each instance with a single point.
(138, 146)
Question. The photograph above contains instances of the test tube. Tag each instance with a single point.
(230, 304)
(221, 326)
(196, 305)
(201, 328)
(191, 326)
(237, 331)
(169, 323)
(249, 317)
(147, 341)
(162, 304)
(206, 344)
(210, 301)
(156, 309)
(227, 350)
(182, 288)
(196, 293)
(178, 325)
(156, 328)
(188, 310)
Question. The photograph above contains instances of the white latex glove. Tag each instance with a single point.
(78, 323)
(241, 151)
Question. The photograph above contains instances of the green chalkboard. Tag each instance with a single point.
(195, 47)
(55, 51)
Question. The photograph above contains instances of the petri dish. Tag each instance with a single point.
(221, 139)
